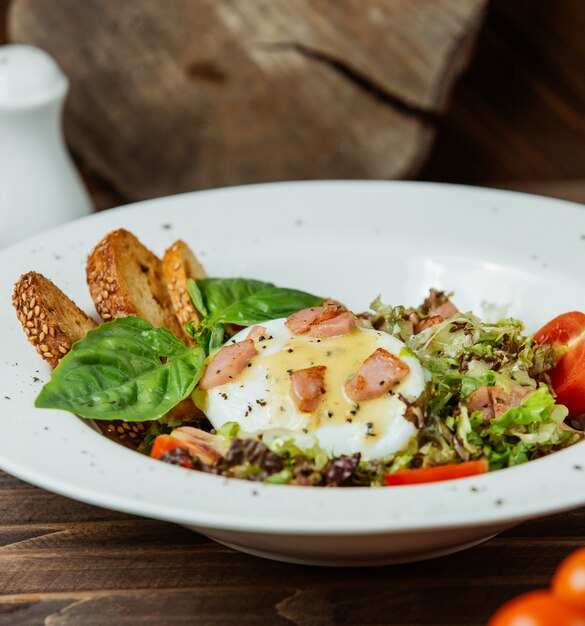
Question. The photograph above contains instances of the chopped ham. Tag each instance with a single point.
(379, 373)
(424, 324)
(203, 445)
(445, 310)
(302, 321)
(494, 401)
(341, 324)
(227, 364)
(308, 386)
(257, 333)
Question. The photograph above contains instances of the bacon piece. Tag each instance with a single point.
(228, 363)
(341, 324)
(257, 333)
(445, 310)
(200, 443)
(424, 324)
(379, 373)
(308, 386)
(301, 321)
(494, 401)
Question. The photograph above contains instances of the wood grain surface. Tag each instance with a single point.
(66, 563)
(190, 94)
(518, 113)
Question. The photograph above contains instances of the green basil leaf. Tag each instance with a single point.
(216, 338)
(245, 302)
(126, 370)
(196, 296)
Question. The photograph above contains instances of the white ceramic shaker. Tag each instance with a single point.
(39, 185)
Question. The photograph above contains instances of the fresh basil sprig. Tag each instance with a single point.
(126, 370)
(240, 301)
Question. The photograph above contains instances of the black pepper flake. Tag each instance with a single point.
(329, 413)
(499, 502)
(305, 431)
(271, 337)
(249, 408)
(249, 364)
(328, 353)
(36, 379)
(261, 402)
(261, 338)
(290, 350)
(166, 226)
(353, 412)
(391, 393)
(318, 341)
(356, 406)
(579, 468)
(382, 382)
(224, 395)
(370, 430)
(348, 420)
(254, 492)
(7, 398)
(282, 408)
(289, 372)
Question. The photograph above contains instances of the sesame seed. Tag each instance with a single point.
(37, 310)
(45, 329)
(42, 336)
(63, 350)
(29, 315)
(44, 347)
(48, 355)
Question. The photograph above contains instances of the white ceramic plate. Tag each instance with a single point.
(350, 240)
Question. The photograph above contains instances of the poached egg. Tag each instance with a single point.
(259, 399)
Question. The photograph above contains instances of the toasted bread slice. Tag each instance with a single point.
(125, 278)
(53, 323)
(179, 264)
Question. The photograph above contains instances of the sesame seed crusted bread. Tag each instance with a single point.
(50, 320)
(179, 264)
(53, 323)
(125, 278)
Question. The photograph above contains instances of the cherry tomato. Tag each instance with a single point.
(537, 608)
(562, 329)
(436, 474)
(566, 332)
(568, 379)
(569, 581)
(165, 443)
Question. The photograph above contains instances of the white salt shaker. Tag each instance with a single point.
(39, 185)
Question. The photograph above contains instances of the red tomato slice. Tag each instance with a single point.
(436, 474)
(165, 443)
(568, 378)
(560, 331)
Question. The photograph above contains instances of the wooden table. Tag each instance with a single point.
(66, 563)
